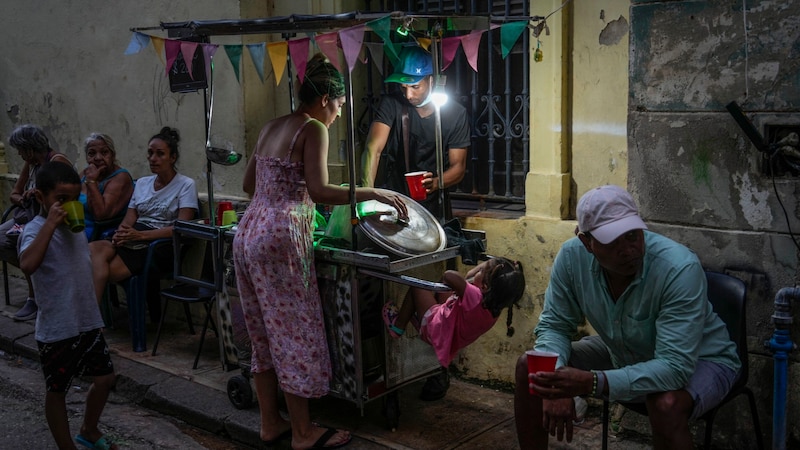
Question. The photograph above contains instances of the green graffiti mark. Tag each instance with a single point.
(701, 160)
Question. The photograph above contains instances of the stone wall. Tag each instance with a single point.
(695, 174)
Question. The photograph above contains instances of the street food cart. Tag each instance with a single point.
(366, 363)
(359, 254)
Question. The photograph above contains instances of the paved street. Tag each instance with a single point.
(23, 426)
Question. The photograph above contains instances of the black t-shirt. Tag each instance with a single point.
(421, 142)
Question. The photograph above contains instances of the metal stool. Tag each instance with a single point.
(187, 294)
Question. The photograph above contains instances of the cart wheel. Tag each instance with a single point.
(391, 410)
(239, 392)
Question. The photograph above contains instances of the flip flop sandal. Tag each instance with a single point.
(329, 433)
(390, 313)
(100, 444)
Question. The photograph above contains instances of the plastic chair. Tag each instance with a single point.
(136, 292)
(188, 294)
(6, 214)
(727, 295)
(195, 283)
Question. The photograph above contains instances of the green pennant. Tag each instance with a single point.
(509, 33)
(382, 27)
(234, 53)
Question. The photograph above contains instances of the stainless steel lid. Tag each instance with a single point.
(421, 233)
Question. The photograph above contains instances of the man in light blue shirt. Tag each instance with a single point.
(658, 339)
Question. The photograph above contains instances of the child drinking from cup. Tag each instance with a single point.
(452, 320)
(68, 324)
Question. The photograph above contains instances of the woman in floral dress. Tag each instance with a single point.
(274, 260)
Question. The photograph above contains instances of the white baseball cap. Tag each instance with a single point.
(608, 212)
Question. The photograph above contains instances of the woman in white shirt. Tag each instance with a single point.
(158, 201)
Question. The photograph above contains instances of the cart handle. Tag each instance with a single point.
(408, 281)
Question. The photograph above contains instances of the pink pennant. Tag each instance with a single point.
(208, 54)
(471, 42)
(187, 50)
(449, 48)
(328, 45)
(298, 50)
(352, 38)
(171, 47)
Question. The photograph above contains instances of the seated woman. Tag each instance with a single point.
(158, 201)
(107, 188)
(34, 148)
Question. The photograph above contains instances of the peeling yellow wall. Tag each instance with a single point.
(579, 95)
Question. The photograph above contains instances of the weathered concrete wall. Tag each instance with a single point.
(696, 176)
(64, 69)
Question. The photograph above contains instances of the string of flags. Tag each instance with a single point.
(349, 40)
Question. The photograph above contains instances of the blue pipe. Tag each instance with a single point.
(781, 344)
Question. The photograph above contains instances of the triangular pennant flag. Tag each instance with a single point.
(172, 48)
(328, 45)
(424, 43)
(138, 42)
(208, 53)
(298, 51)
(234, 52)
(471, 43)
(376, 53)
(449, 48)
(392, 52)
(158, 45)
(382, 27)
(187, 50)
(352, 38)
(257, 55)
(277, 55)
(509, 33)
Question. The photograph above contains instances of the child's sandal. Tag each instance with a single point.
(390, 314)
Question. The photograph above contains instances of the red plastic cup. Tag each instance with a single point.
(540, 362)
(221, 208)
(415, 187)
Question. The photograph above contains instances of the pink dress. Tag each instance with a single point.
(274, 258)
(456, 323)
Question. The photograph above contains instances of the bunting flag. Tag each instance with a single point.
(471, 43)
(328, 44)
(382, 27)
(352, 40)
(234, 53)
(449, 48)
(376, 54)
(208, 52)
(158, 45)
(187, 50)
(509, 33)
(392, 51)
(256, 52)
(424, 43)
(138, 42)
(171, 48)
(277, 55)
(298, 51)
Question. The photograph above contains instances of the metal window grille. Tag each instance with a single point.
(496, 97)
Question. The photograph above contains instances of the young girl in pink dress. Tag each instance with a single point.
(453, 320)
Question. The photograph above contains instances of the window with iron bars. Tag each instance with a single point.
(496, 97)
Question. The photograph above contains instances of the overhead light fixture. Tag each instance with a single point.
(439, 96)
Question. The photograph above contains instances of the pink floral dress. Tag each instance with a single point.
(274, 258)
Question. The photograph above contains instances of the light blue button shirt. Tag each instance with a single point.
(655, 331)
